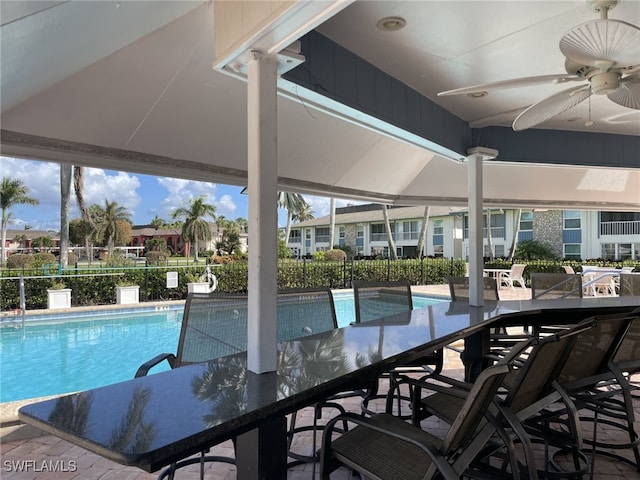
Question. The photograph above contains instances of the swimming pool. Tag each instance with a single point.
(91, 351)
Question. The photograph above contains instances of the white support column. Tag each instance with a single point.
(262, 120)
(476, 264)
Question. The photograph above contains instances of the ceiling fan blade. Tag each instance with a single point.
(513, 83)
(628, 93)
(497, 118)
(601, 41)
(550, 107)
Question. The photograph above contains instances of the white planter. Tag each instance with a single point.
(197, 287)
(127, 295)
(59, 298)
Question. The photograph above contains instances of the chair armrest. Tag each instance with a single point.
(145, 367)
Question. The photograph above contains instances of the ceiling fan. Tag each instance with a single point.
(604, 53)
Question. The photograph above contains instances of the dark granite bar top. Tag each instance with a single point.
(152, 421)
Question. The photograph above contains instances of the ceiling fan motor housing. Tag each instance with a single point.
(605, 83)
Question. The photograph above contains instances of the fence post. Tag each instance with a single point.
(304, 272)
(146, 280)
(353, 272)
(76, 293)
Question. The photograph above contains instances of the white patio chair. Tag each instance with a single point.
(513, 276)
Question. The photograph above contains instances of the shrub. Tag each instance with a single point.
(335, 255)
(20, 260)
(40, 259)
(72, 258)
(318, 256)
(157, 258)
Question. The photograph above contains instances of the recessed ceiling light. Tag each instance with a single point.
(477, 94)
(391, 24)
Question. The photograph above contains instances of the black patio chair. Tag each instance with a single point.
(629, 284)
(377, 300)
(528, 390)
(386, 447)
(500, 340)
(214, 325)
(583, 387)
(547, 286)
(301, 313)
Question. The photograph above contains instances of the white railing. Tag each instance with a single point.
(630, 227)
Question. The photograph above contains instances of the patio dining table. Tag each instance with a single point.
(150, 422)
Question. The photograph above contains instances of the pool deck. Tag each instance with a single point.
(19, 442)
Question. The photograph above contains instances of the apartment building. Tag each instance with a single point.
(568, 233)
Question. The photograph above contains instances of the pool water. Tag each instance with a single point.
(55, 357)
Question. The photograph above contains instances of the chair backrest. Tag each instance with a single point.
(459, 288)
(303, 312)
(542, 366)
(568, 269)
(483, 392)
(213, 325)
(517, 270)
(627, 356)
(629, 284)
(594, 348)
(555, 285)
(374, 300)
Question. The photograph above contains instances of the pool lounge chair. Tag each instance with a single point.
(513, 276)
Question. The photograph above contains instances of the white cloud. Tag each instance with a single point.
(180, 193)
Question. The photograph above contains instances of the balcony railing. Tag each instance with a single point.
(630, 227)
(496, 232)
(322, 238)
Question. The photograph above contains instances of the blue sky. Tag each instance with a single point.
(143, 196)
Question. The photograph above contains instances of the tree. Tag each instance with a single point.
(12, 192)
(423, 230)
(291, 202)
(230, 237)
(108, 222)
(304, 215)
(66, 172)
(516, 231)
(387, 225)
(90, 228)
(42, 242)
(158, 223)
(489, 233)
(195, 227)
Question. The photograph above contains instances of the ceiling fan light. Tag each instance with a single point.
(605, 83)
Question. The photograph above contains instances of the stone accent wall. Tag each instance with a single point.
(547, 229)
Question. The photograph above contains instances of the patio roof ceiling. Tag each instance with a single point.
(130, 86)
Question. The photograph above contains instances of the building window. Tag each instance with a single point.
(526, 221)
(410, 230)
(619, 223)
(438, 250)
(571, 219)
(341, 236)
(378, 232)
(572, 251)
(620, 251)
(295, 236)
(322, 235)
(438, 227)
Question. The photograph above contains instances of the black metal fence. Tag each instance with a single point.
(97, 286)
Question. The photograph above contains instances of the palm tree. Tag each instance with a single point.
(291, 202)
(516, 231)
(195, 227)
(108, 220)
(423, 230)
(65, 195)
(158, 223)
(78, 187)
(12, 192)
(303, 215)
(387, 225)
